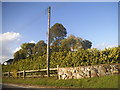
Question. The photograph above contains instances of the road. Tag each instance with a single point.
(19, 87)
(11, 87)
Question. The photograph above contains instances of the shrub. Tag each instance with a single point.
(68, 59)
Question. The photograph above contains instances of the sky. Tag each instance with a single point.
(24, 22)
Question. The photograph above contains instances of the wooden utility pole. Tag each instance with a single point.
(48, 44)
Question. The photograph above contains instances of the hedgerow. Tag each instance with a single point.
(80, 57)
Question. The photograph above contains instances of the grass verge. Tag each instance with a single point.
(96, 82)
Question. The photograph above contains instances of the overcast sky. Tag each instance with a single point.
(27, 22)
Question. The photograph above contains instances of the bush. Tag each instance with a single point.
(68, 59)
(14, 74)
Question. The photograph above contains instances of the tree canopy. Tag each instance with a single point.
(40, 48)
(57, 32)
(58, 43)
(73, 43)
(24, 52)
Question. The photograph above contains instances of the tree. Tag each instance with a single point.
(64, 46)
(28, 48)
(73, 43)
(40, 48)
(16, 56)
(87, 44)
(69, 43)
(21, 54)
(55, 46)
(57, 32)
(24, 52)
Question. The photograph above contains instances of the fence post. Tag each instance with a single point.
(57, 71)
(8, 74)
(2, 74)
(19, 75)
(23, 74)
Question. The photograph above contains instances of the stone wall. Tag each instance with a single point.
(88, 71)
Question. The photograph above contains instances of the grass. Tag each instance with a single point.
(96, 82)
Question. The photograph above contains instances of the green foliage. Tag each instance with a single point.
(82, 57)
(57, 32)
(73, 43)
(21, 54)
(24, 52)
(14, 74)
(40, 48)
(86, 44)
(28, 48)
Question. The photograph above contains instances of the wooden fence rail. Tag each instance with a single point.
(24, 74)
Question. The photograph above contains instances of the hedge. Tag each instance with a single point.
(80, 57)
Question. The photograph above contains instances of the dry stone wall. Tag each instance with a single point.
(88, 71)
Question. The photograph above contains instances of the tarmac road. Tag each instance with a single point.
(17, 87)
(11, 87)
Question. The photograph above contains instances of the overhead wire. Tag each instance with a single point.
(36, 17)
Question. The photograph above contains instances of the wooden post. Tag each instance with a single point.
(19, 75)
(57, 71)
(23, 74)
(57, 67)
(2, 74)
(8, 74)
(48, 45)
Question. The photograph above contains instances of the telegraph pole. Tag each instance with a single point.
(48, 44)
